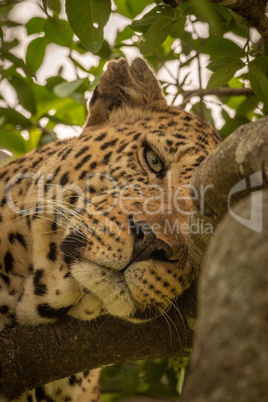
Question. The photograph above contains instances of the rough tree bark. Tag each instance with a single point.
(230, 357)
(239, 158)
(230, 353)
(28, 355)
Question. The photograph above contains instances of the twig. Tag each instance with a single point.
(221, 91)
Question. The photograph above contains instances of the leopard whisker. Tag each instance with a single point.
(181, 317)
(163, 314)
(79, 298)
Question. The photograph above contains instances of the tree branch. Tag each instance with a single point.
(29, 355)
(230, 355)
(220, 91)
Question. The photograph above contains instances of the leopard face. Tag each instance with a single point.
(98, 224)
(130, 241)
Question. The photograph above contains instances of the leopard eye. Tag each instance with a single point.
(153, 161)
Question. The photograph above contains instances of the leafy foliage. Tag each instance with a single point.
(155, 378)
(198, 47)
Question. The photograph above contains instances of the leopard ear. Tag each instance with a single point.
(123, 85)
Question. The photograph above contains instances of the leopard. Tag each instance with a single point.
(98, 224)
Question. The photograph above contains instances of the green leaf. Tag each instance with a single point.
(72, 113)
(44, 2)
(202, 111)
(189, 43)
(235, 83)
(45, 108)
(222, 62)
(127, 33)
(261, 63)
(233, 101)
(226, 15)
(231, 124)
(105, 51)
(143, 24)
(224, 74)
(67, 88)
(87, 19)
(77, 45)
(79, 65)
(259, 84)
(219, 47)
(11, 116)
(54, 5)
(156, 35)
(205, 11)
(35, 25)
(18, 63)
(247, 107)
(58, 31)
(177, 29)
(97, 70)
(34, 138)
(53, 81)
(13, 141)
(130, 8)
(46, 138)
(24, 92)
(35, 53)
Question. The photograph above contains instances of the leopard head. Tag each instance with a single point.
(127, 241)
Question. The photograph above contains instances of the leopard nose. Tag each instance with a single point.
(147, 245)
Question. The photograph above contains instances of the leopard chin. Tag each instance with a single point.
(119, 290)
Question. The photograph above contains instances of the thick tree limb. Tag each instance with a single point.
(241, 158)
(230, 356)
(28, 355)
(230, 351)
(252, 10)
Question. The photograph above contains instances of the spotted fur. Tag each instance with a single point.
(88, 227)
